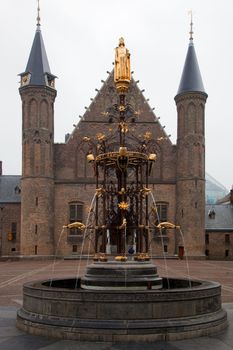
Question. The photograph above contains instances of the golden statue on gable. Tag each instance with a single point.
(122, 73)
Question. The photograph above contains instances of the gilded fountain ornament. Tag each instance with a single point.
(122, 73)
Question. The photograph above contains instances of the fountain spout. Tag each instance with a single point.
(166, 224)
(145, 191)
(76, 224)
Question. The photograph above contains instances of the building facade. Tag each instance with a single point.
(58, 184)
(219, 229)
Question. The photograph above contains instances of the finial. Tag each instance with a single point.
(191, 25)
(38, 13)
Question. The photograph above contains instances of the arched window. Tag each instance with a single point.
(32, 121)
(162, 215)
(75, 214)
(44, 117)
(162, 210)
(181, 122)
(191, 119)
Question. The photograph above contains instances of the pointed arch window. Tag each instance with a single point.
(44, 117)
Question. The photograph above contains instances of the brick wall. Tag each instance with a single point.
(218, 245)
(9, 222)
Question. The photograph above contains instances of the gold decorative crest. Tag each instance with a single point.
(123, 205)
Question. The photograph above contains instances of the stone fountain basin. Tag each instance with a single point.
(56, 309)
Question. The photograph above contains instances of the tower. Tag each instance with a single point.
(38, 93)
(190, 189)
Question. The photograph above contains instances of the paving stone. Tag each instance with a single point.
(74, 345)
(10, 331)
(8, 312)
(6, 322)
(24, 342)
(145, 346)
(204, 343)
(3, 339)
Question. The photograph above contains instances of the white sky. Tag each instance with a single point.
(80, 37)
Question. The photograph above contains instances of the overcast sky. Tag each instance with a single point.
(80, 37)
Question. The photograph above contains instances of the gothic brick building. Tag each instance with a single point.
(58, 184)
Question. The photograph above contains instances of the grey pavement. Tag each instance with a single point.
(13, 339)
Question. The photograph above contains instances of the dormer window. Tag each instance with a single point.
(211, 213)
(50, 80)
(17, 190)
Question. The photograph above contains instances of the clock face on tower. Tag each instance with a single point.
(25, 79)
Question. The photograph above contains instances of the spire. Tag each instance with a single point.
(191, 80)
(38, 71)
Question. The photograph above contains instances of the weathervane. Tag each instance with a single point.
(191, 25)
(38, 13)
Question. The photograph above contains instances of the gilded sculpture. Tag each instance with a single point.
(122, 73)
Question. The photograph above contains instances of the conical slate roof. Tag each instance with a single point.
(191, 77)
(38, 63)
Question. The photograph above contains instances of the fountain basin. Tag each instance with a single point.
(60, 310)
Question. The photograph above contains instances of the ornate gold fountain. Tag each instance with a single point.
(122, 163)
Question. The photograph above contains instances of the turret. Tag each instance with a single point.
(190, 100)
(38, 93)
